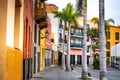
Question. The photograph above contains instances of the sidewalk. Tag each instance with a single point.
(56, 73)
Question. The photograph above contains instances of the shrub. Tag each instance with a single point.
(96, 63)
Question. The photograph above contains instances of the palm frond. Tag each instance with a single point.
(110, 21)
(95, 20)
(79, 6)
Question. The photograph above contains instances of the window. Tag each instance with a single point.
(61, 26)
(39, 37)
(72, 41)
(72, 30)
(108, 45)
(108, 36)
(87, 48)
(88, 26)
(116, 42)
(107, 54)
(80, 32)
(80, 42)
(35, 33)
(77, 31)
(116, 36)
(60, 38)
(65, 39)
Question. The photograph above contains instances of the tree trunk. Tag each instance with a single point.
(68, 68)
(84, 57)
(91, 54)
(103, 70)
(63, 54)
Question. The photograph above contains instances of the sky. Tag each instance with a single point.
(112, 9)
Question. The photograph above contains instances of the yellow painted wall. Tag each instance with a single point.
(11, 60)
(3, 19)
(42, 50)
(112, 36)
(14, 64)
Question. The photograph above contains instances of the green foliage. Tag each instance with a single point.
(95, 20)
(117, 58)
(79, 6)
(68, 14)
(96, 63)
(108, 61)
(93, 33)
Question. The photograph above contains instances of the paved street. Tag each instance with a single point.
(58, 74)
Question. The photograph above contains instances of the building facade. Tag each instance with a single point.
(11, 43)
(54, 29)
(76, 42)
(112, 40)
(48, 46)
(39, 25)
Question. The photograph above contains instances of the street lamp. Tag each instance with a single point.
(46, 34)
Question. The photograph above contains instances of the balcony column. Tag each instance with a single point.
(75, 59)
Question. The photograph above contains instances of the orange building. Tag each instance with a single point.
(113, 39)
(11, 39)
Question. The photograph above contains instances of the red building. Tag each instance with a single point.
(27, 44)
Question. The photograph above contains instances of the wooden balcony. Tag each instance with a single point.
(43, 0)
(39, 14)
(43, 25)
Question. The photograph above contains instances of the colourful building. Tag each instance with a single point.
(11, 43)
(39, 23)
(76, 42)
(48, 46)
(54, 29)
(112, 39)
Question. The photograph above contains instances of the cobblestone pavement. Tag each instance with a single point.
(113, 74)
(57, 73)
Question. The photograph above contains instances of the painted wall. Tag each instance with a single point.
(48, 39)
(10, 58)
(28, 28)
(42, 49)
(3, 20)
(14, 64)
(112, 35)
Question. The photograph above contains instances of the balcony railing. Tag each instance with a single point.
(77, 35)
(73, 45)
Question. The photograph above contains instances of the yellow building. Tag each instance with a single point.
(113, 39)
(42, 50)
(11, 39)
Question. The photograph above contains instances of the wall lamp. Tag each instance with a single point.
(46, 34)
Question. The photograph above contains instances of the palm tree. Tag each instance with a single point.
(93, 34)
(106, 23)
(62, 16)
(103, 35)
(71, 19)
(69, 16)
(103, 71)
(82, 6)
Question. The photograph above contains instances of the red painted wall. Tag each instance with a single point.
(28, 28)
(48, 40)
